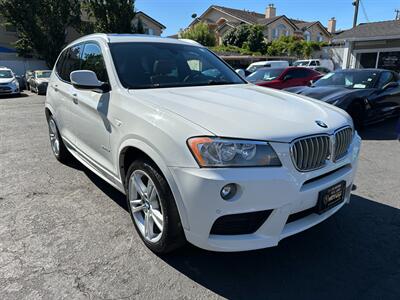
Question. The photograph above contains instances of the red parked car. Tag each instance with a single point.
(281, 78)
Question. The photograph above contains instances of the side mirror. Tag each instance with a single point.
(87, 80)
(241, 72)
(390, 85)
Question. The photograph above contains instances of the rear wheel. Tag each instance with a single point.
(152, 208)
(57, 145)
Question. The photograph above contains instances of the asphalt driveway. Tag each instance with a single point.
(66, 234)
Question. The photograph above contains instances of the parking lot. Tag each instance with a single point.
(66, 234)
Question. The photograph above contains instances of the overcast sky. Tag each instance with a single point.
(176, 14)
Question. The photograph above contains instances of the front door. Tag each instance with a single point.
(91, 126)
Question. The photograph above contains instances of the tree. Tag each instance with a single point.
(236, 36)
(111, 16)
(293, 46)
(250, 37)
(41, 24)
(200, 33)
(255, 39)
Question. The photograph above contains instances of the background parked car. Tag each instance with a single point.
(21, 81)
(8, 82)
(28, 76)
(39, 81)
(314, 63)
(280, 78)
(368, 95)
(262, 64)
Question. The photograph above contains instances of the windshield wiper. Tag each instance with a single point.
(219, 82)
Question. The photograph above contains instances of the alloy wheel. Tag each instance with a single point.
(54, 138)
(145, 206)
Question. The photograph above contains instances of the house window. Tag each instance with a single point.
(320, 37)
(307, 36)
(279, 31)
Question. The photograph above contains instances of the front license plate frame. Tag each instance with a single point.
(331, 197)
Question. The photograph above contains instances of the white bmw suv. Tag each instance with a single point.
(202, 155)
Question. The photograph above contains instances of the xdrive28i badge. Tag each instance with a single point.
(321, 124)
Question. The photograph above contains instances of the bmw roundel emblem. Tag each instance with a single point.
(321, 124)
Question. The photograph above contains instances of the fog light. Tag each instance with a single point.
(228, 191)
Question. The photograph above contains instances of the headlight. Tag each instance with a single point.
(221, 152)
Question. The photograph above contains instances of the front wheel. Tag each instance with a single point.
(152, 208)
(60, 151)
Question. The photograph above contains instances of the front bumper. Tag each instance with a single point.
(284, 190)
(9, 90)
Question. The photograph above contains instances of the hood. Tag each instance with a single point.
(6, 80)
(329, 93)
(42, 80)
(247, 111)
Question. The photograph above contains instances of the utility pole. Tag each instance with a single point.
(356, 4)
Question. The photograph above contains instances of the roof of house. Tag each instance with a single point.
(252, 17)
(371, 30)
(245, 15)
(150, 18)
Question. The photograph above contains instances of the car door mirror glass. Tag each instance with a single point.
(85, 79)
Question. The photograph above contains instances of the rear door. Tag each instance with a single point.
(61, 88)
(92, 127)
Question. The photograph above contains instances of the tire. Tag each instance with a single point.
(58, 147)
(144, 205)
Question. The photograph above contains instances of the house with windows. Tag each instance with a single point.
(371, 45)
(220, 19)
(150, 25)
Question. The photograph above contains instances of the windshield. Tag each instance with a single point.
(161, 65)
(354, 79)
(301, 63)
(265, 74)
(6, 74)
(43, 74)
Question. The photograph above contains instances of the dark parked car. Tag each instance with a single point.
(368, 95)
(280, 78)
(21, 81)
(39, 81)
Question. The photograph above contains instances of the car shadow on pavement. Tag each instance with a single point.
(353, 255)
(385, 130)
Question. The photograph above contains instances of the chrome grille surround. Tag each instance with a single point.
(311, 153)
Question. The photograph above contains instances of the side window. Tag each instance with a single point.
(385, 78)
(313, 63)
(299, 73)
(60, 62)
(92, 59)
(71, 62)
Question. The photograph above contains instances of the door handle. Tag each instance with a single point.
(55, 87)
(74, 98)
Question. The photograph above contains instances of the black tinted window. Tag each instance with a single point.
(59, 64)
(385, 78)
(299, 73)
(71, 62)
(92, 60)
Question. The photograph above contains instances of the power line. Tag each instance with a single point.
(364, 10)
